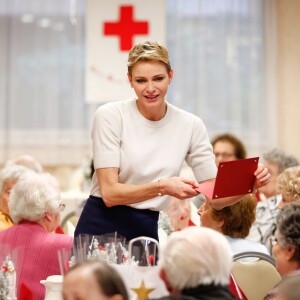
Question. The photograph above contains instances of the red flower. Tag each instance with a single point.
(5, 268)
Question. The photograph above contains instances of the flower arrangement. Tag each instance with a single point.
(164, 222)
(7, 280)
(110, 248)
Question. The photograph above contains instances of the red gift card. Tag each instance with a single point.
(234, 178)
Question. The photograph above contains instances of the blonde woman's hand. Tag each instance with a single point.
(178, 187)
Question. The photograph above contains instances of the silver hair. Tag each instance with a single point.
(26, 161)
(194, 256)
(281, 159)
(288, 225)
(33, 196)
(12, 173)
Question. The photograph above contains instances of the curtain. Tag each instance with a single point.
(218, 50)
(223, 58)
(43, 111)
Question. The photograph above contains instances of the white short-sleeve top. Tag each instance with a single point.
(145, 151)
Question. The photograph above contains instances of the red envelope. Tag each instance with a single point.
(233, 178)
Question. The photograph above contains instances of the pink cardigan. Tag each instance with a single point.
(37, 253)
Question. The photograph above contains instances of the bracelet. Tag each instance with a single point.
(157, 185)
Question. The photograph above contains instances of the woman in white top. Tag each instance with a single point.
(139, 146)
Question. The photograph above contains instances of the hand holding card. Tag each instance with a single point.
(233, 178)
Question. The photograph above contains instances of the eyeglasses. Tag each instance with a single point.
(273, 241)
(61, 207)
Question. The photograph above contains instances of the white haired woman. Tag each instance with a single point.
(8, 178)
(35, 206)
(196, 264)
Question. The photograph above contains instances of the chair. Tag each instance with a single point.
(255, 277)
(144, 249)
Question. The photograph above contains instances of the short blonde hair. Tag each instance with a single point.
(148, 51)
(288, 183)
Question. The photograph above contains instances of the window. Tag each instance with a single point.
(217, 50)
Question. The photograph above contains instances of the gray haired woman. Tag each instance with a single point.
(286, 251)
(195, 264)
(35, 206)
(9, 176)
(286, 242)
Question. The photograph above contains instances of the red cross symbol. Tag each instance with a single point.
(126, 28)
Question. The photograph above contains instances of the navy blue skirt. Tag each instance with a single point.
(96, 219)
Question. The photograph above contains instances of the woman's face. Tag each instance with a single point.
(205, 213)
(4, 195)
(282, 256)
(150, 80)
(224, 151)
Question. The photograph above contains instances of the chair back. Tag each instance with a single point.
(144, 250)
(255, 273)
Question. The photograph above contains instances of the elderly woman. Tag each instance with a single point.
(288, 186)
(234, 222)
(286, 251)
(286, 242)
(35, 207)
(228, 147)
(8, 178)
(196, 264)
(277, 161)
(91, 280)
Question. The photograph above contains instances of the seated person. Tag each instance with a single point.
(234, 222)
(266, 211)
(195, 264)
(288, 183)
(227, 147)
(8, 178)
(286, 242)
(286, 252)
(91, 280)
(276, 161)
(35, 207)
